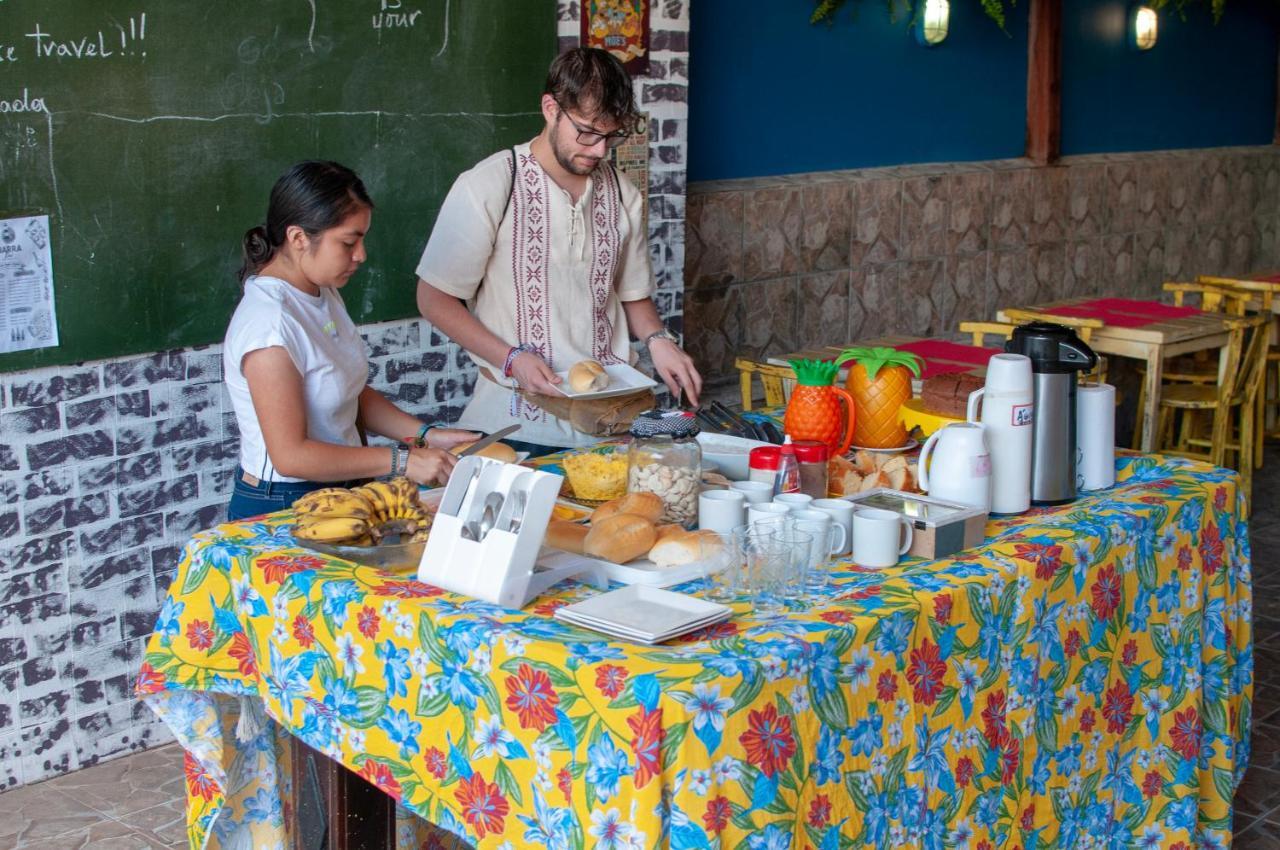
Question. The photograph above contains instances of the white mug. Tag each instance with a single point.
(766, 511)
(755, 492)
(818, 522)
(721, 510)
(841, 513)
(794, 501)
(877, 537)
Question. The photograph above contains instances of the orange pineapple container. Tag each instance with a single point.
(879, 383)
(814, 411)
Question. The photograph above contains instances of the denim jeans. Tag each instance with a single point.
(250, 500)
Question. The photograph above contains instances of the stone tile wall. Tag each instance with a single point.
(778, 264)
(107, 468)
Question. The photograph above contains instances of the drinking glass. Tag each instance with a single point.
(743, 572)
(766, 565)
(721, 567)
(824, 541)
(798, 547)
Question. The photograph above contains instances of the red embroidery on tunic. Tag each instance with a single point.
(605, 240)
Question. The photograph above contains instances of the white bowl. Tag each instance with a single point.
(729, 453)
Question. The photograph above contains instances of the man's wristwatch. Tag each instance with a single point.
(662, 334)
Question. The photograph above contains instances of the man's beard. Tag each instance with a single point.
(566, 162)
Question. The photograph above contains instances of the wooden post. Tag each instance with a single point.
(1275, 140)
(1044, 82)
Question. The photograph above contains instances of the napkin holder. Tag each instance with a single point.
(501, 567)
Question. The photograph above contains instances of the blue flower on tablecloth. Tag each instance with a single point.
(337, 595)
(877, 818)
(733, 663)
(606, 765)
(1118, 777)
(894, 633)
(909, 807)
(931, 757)
(772, 837)
(828, 757)
(592, 653)
(867, 736)
(167, 623)
(492, 738)
(289, 678)
(1168, 595)
(709, 709)
(1040, 775)
(858, 671)
(550, 827)
(1190, 516)
(1141, 611)
(463, 686)
(1046, 631)
(262, 807)
(933, 829)
(965, 569)
(989, 638)
(248, 601)
(988, 808)
(395, 667)
(401, 729)
(1242, 672)
(825, 664)
(320, 728)
(1093, 678)
(464, 636)
(612, 831)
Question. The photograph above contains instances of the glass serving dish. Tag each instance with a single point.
(387, 556)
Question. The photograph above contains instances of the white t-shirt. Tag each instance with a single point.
(325, 347)
(470, 256)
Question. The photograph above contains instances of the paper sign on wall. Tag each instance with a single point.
(27, 317)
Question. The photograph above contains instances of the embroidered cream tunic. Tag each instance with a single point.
(540, 270)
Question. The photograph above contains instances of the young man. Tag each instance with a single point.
(538, 258)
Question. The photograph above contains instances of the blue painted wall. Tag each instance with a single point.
(1200, 86)
(769, 93)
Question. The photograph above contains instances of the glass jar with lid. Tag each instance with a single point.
(666, 460)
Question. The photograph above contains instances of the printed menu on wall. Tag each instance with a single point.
(27, 317)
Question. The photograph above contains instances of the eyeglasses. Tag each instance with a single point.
(590, 137)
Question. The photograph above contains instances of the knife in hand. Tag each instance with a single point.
(488, 441)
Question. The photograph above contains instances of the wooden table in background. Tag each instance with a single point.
(1151, 343)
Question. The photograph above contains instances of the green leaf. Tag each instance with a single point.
(832, 708)
(671, 741)
(875, 359)
(507, 782)
(814, 373)
(436, 650)
(745, 694)
(196, 577)
(1215, 719)
(430, 706)
(371, 704)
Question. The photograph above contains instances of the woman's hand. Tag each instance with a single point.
(532, 373)
(676, 369)
(430, 466)
(448, 438)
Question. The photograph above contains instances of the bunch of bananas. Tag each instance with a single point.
(362, 516)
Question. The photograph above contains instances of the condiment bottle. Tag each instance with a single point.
(788, 469)
(762, 464)
(812, 457)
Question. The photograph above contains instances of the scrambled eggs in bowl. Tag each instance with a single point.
(598, 474)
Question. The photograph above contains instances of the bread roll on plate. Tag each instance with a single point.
(676, 550)
(647, 505)
(588, 376)
(620, 538)
(496, 451)
(569, 536)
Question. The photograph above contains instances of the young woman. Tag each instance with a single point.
(295, 365)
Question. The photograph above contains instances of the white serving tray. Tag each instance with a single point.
(623, 379)
(641, 571)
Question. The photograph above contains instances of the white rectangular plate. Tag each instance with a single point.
(646, 610)
(640, 571)
(634, 634)
(622, 380)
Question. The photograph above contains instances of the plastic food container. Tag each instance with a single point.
(597, 474)
(940, 529)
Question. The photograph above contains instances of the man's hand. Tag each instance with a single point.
(676, 369)
(532, 373)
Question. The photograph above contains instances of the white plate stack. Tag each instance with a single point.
(643, 614)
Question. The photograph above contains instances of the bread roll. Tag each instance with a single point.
(588, 376)
(667, 529)
(497, 451)
(620, 538)
(647, 505)
(569, 536)
(684, 548)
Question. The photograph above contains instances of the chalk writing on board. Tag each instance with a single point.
(102, 44)
(25, 103)
(394, 15)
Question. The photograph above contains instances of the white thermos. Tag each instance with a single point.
(1007, 414)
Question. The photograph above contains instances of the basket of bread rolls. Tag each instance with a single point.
(869, 470)
(627, 529)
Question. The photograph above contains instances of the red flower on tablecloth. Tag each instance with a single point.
(768, 740)
(1072, 644)
(1028, 818)
(277, 568)
(863, 593)
(1087, 720)
(199, 782)
(1179, 845)
(368, 621)
(1184, 558)
(715, 631)
(437, 762)
(483, 805)
(717, 815)
(837, 616)
(646, 743)
(548, 609)
(1118, 707)
(200, 634)
(993, 722)
(406, 590)
(964, 771)
(1010, 756)
(1211, 548)
(1047, 559)
(1106, 593)
(532, 698)
(942, 608)
(150, 680)
(1186, 732)
(819, 811)
(564, 780)
(1152, 783)
(379, 775)
(1220, 499)
(610, 679)
(886, 686)
(925, 672)
(984, 845)
(242, 652)
(303, 633)
(1130, 655)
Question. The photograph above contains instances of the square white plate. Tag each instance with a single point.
(644, 610)
(647, 637)
(622, 380)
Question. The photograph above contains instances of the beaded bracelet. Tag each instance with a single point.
(511, 357)
(420, 441)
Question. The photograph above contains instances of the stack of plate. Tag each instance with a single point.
(643, 614)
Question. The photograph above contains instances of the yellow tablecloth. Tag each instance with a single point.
(1086, 672)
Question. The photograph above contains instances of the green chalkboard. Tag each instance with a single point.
(164, 125)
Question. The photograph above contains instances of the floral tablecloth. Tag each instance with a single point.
(1083, 679)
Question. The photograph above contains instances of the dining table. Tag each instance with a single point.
(1146, 330)
(1086, 670)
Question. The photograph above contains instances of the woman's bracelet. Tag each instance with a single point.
(512, 354)
(420, 440)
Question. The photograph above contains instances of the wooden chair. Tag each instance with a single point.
(1229, 431)
(774, 378)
